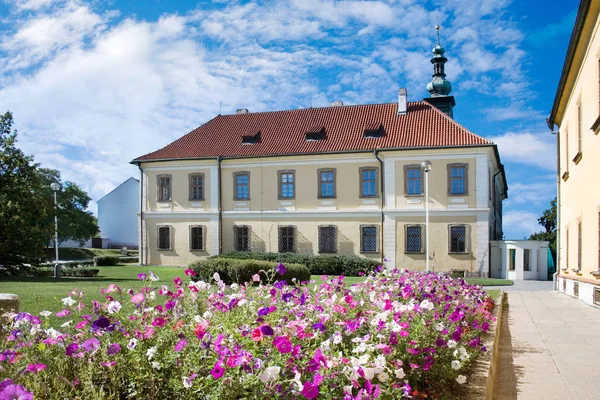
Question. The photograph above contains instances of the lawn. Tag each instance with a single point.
(489, 281)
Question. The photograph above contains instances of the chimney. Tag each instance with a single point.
(402, 101)
(337, 104)
(242, 111)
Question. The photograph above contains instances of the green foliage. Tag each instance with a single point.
(102, 261)
(48, 272)
(332, 264)
(77, 253)
(548, 221)
(241, 271)
(78, 264)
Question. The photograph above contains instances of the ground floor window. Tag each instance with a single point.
(164, 238)
(287, 239)
(368, 238)
(458, 239)
(526, 258)
(414, 239)
(196, 238)
(512, 256)
(327, 239)
(241, 238)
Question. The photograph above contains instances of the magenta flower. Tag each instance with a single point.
(310, 390)
(189, 272)
(281, 270)
(142, 276)
(91, 344)
(35, 368)
(71, 349)
(63, 313)
(217, 371)
(181, 345)
(177, 281)
(158, 321)
(283, 344)
(109, 364)
(15, 392)
(113, 349)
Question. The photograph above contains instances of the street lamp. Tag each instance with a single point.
(56, 187)
(426, 167)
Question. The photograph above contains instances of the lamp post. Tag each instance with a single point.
(55, 188)
(426, 167)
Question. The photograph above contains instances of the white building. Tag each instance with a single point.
(117, 214)
(519, 259)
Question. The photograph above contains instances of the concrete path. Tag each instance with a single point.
(550, 349)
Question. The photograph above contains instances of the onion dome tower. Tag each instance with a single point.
(439, 88)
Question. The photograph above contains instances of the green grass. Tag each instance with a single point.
(489, 282)
(494, 294)
(69, 253)
(348, 280)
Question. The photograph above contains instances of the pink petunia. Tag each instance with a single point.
(190, 272)
(158, 322)
(16, 392)
(177, 281)
(217, 371)
(35, 368)
(283, 344)
(63, 313)
(310, 390)
(180, 345)
(137, 298)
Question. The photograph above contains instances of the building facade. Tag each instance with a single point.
(576, 112)
(331, 180)
(519, 260)
(118, 214)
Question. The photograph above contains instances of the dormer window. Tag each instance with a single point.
(373, 130)
(316, 132)
(251, 137)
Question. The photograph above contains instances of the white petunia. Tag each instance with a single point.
(52, 332)
(151, 352)
(114, 307)
(451, 344)
(68, 301)
(399, 373)
(337, 338)
(461, 379)
(66, 324)
(187, 382)
(46, 313)
(326, 345)
(439, 327)
(426, 305)
(383, 376)
(156, 365)
(132, 344)
(217, 277)
(456, 364)
(369, 373)
(234, 286)
(269, 374)
(153, 277)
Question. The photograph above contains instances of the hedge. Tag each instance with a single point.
(241, 271)
(106, 260)
(77, 264)
(48, 272)
(129, 259)
(331, 264)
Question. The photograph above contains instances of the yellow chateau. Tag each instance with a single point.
(576, 111)
(331, 180)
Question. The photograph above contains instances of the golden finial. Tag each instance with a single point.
(437, 28)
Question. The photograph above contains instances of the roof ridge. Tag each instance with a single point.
(452, 120)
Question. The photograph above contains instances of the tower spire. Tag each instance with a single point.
(439, 88)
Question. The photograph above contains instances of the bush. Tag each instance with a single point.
(129, 259)
(101, 261)
(78, 264)
(241, 271)
(331, 264)
(48, 272)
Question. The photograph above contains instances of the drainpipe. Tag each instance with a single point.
(557, 263)
(219, 159)
(382, 201)
(141, 248)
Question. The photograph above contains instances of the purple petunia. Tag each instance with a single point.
(217, 371)
(267, 330)
(15, 392)
(280, 269)
(319, 326)
(91, 344)
(113, 349)
(310, 390)
(181, 345)
(71, 349)
(101, 323)
(142, 276)
(283, 344)
(263, 311)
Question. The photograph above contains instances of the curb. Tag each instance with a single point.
(495, 361)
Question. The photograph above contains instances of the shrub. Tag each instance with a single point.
(241, 271)
(331, 264)
(129, 259)
(80, 272)
(106, 261)
(78, 264)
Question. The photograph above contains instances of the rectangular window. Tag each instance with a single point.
(457, 179)
(196, 238)
(512, 257)
(164, 187)
(241, 238)
(368, 182)
(287, 239)
(414, 239)
(565, 175)
(326, 183)
(164, 238)
(458, 239)
(368, 240)
(197, 187)
(412, 178)
(579, 127)
(241, 182)
(327, 239)
(579, 243)
(287, 185)
(526, 258)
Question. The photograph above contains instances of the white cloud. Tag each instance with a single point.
(535, 149)
(524, 222)
(539, 192)
(24, 5)
(515, 111)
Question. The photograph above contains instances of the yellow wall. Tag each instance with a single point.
(580, 191)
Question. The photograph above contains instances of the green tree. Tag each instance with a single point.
(548, 221)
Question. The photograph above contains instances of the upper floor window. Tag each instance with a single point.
(287, 239)
(578, 156)
(196, 186)
(412, 179)
(326, 183)
(241, 183)
(457, 179)
(287, 185)
(196, 238)
(368, 239)
(164, 238)
(414, 239)
(163, 183)
(368, 182)
(241, 238)
(457, 238)
(327, 239)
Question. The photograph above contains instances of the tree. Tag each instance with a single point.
(548, 221)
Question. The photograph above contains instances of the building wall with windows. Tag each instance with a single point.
(576, 112)
(320, 196)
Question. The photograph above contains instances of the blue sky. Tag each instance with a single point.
(93, 84)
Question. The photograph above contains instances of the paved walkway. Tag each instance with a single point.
(551, 348)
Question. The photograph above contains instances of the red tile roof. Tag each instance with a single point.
(283, 132)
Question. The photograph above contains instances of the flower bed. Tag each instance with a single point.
(394, 336)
